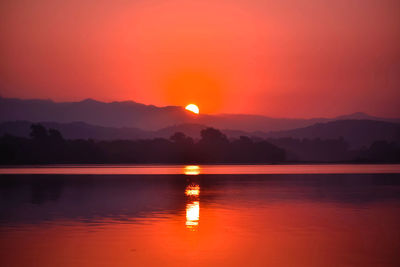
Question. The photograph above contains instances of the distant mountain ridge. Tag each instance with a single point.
(76, 130)
(114, 114)
(82, 130)
(129, 114)
(357, 133)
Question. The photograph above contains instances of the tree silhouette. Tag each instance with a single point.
(49, 146)
(38, 132)
(55, 135)
(213, 136)
(181, 139)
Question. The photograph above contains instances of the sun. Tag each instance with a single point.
(193, 108)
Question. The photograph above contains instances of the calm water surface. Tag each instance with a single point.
(335, 217)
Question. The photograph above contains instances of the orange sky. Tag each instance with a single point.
(285, 58)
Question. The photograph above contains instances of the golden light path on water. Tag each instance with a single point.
(192, 215)
(192, 193)
(192, 190)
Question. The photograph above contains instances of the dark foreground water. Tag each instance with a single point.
(200, 220)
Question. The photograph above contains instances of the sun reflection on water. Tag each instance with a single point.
(191, 170)
(192, 193)
(192, 215)
(192, 190)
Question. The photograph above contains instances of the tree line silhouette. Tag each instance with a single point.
(47, 146)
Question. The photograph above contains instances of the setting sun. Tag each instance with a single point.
(193, 108)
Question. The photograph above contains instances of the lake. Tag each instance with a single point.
(216, 215)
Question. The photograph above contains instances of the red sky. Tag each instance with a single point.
(285, 58)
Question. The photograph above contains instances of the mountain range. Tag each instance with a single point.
(129, 120)
(129, 114)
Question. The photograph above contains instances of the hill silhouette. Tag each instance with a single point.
(76, 130)
(82, 130)
(357, 133)
(114, 114)
(147, 117)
